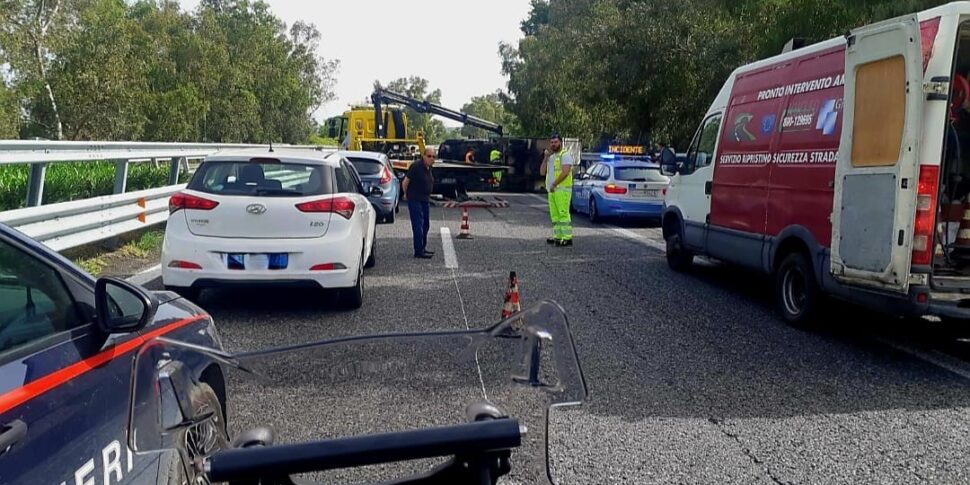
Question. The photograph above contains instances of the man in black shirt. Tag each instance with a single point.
(417, 189)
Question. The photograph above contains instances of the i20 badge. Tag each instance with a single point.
(256, 209)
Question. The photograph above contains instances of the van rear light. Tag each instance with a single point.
(182, 200)
(184, 264)
(327, 267)
(923, 227)
(386, 176)
(615, 189)
(337, 205)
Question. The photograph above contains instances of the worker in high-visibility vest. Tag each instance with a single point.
(495, 157)
(557, 164)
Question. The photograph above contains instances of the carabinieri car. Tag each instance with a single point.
(67, 345)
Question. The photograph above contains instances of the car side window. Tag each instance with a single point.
(34, 301)
(602, 173)
(701, 152)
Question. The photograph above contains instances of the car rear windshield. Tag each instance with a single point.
(366, 166)
(267, 179)
(639, 174)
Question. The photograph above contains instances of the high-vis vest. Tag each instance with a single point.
(495, 156)
(557, 169)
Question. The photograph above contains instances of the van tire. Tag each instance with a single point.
(796, 291)
(679, 258)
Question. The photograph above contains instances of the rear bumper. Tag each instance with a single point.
(209, 252)
(629, 208)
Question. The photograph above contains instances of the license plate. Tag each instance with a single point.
(449, 181)
(645, 192)
(257, 261)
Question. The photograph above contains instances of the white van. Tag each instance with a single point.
(840, 168)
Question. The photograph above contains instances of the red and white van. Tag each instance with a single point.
(840, 168)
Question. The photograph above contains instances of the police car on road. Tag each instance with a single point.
(67, 344)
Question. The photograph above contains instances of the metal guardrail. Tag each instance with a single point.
(70, 224)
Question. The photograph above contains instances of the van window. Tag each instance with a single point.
(879, 112)
(701, 152)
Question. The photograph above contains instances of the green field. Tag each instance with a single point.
(78, 180)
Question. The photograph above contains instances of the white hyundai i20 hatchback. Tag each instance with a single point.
(260, 217)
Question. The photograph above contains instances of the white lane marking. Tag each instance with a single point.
(146, 275)
(448, 246)
(545, 200)
(638, 238)
(451, 262)
(933, 357)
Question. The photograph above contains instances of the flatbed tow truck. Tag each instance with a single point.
(382, 126)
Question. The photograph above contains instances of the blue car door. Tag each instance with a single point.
(63, 385)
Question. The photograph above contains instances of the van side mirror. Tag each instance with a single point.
(668, 169)
(122, 307)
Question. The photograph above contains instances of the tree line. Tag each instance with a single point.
(228, 71)
(646, 70)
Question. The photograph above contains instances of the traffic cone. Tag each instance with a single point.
(465, 232)
(512, 303)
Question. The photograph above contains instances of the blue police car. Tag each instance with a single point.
(67, 346)
(620, 188)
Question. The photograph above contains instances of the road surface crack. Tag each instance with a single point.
(746, 451)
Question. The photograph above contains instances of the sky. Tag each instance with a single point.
(451, 43)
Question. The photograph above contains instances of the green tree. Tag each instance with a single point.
(492, 108)
(9, 113)
(645, 69)
(31, 31)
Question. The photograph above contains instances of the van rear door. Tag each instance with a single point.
(877, 166)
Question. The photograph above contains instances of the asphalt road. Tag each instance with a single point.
(692, 378)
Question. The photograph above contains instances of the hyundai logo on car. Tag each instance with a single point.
(256, 209)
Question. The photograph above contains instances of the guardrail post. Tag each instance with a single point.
(121, 176)
(35, 184)
(173, 170)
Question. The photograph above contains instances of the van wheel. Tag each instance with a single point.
(678, 257)
(796, 290)
(594, 215)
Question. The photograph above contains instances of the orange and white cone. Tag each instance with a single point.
(466, 231)
(512, 303)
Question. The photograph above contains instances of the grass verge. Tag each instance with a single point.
(131, 256)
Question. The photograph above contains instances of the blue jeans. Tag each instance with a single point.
(420, 211)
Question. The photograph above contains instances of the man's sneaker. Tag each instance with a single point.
(564, 243)
(552, 240)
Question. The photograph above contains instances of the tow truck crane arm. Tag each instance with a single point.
(382, 96)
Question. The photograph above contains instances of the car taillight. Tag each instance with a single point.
(386, 177)
(182, 200)
(615, 189)
(337, 205)
(929, 177)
